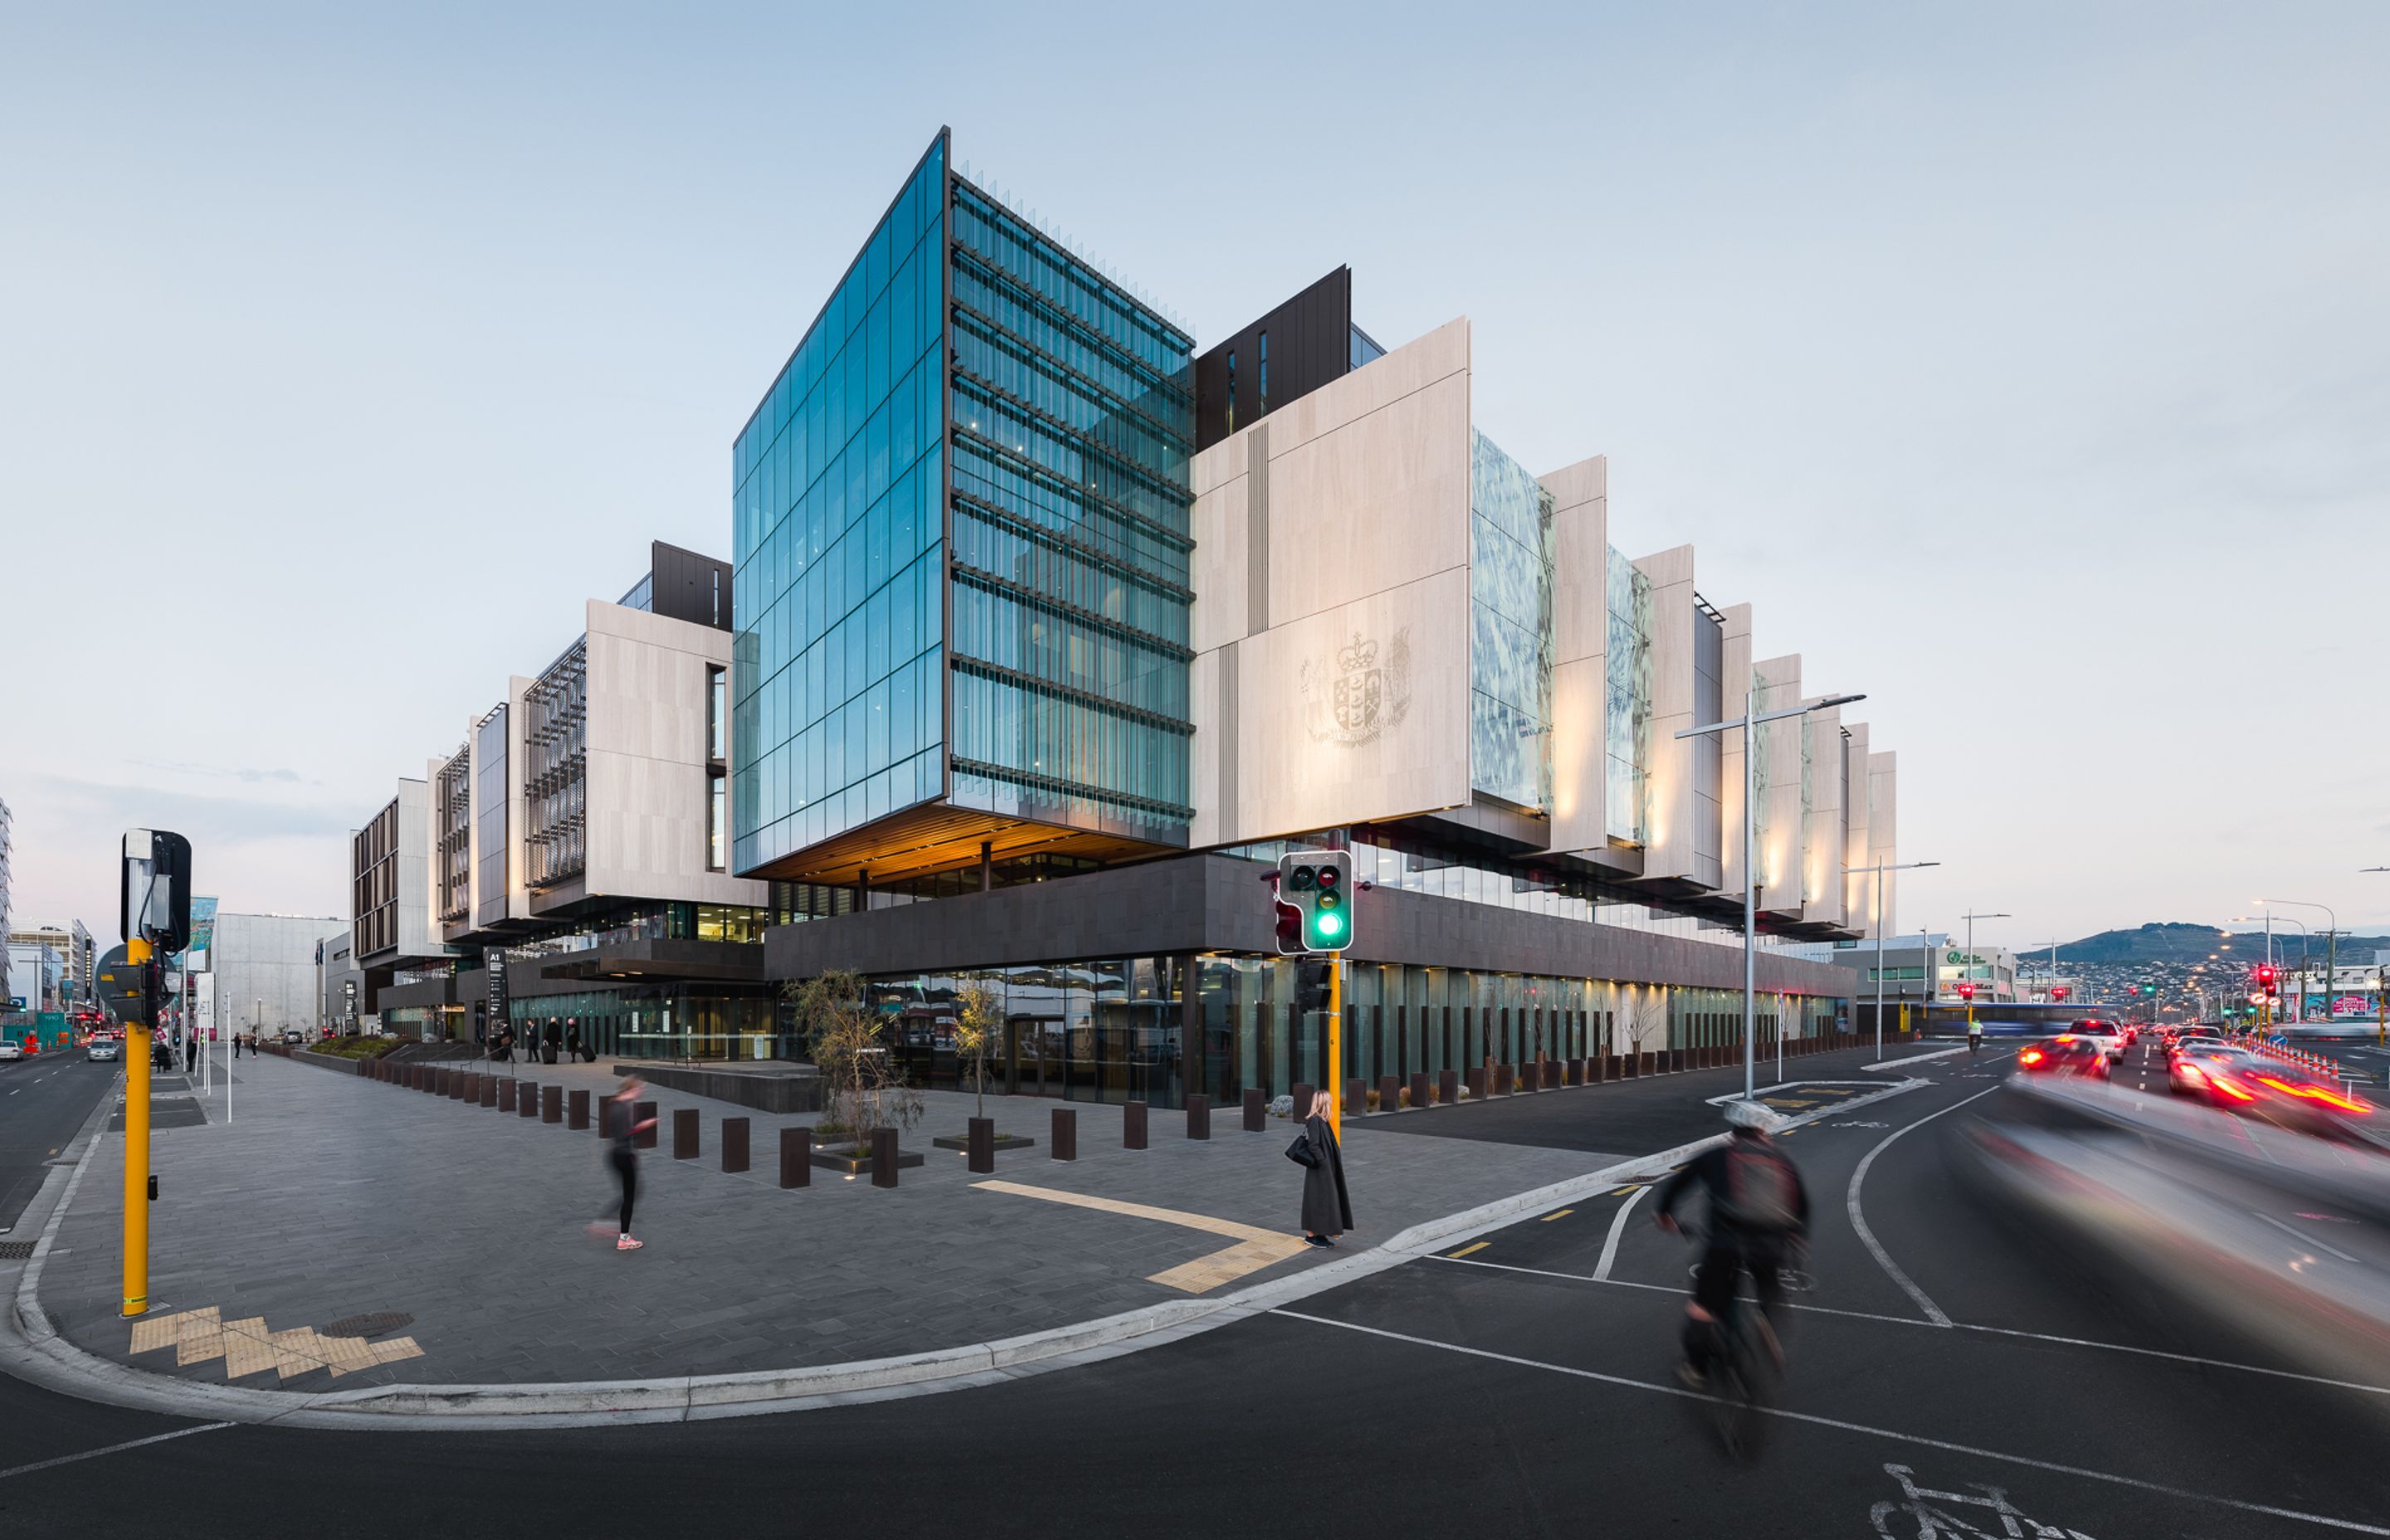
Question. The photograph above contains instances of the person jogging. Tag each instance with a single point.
(624, 1125)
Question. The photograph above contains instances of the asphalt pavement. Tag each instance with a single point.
(1947, 1368)
(43, 1100)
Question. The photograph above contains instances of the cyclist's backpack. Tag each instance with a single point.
(1761, 1193)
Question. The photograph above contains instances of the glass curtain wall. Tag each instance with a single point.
(1627, 717)
(1072, 422)
(1510, 615)
(838, 480)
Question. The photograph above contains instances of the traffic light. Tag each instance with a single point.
(2059, 993)
(1966, 992)
(2266, 978)
(1317, 885)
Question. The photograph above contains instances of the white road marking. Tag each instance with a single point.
(1814, 1420)
(1961, 1325)
(1617, 1229)
(1858, 1220)
(2301, 1239)
(111, 1449)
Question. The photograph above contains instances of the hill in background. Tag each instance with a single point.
(2172, 943)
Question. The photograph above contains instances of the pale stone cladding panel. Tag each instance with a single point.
(1580, 645)
(1780, 749)
(1734, 674)
(1822, 831)
(1668, 799)
(1332, 540)
(646, 780)
(1884, 831)
(1858, 862)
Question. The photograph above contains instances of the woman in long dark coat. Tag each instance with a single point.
(1326, 1208)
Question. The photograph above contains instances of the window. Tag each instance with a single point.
(1232, 389)
(716, 711)
(1265, 362)
(718, 597)
(717, 816)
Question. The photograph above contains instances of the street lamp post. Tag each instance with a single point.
(1878, 869)
(1971, 919)
(1750, 718)
(2330, 952)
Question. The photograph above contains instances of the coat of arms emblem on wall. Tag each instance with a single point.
(1359, 692)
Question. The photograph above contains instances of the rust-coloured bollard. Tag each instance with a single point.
(645, 1112)
(1448, 1087)
(507, 1096)
(490, 1084)
(884, 1155)
(1256, 1109)
(1419, 1090)
(981, 1143)
(796, 1156)
(1390, 1094)
(1356, 1098)
(734, 1144)
(1199, 1117)
(1064, 1145)
(577, 1118)
(551, 1103)
(685, 1133)
(1133, 1125)
(1477, 1082)
(1501, 1080)
(1302, 1095)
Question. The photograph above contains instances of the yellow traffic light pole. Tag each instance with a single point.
(1336, 1045)
(137, 1143)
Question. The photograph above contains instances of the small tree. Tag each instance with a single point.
(979, 1016)
(850, 1049)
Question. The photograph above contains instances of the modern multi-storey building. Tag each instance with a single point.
(74, 945)
(576, 846)
(264, 967)
(1050, 632)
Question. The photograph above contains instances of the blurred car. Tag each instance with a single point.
(102, 1051)
(2067, 1054)
(2110, 1036)
(2257, 1085)
(9, 1051)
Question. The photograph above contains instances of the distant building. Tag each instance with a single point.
(73, 944)
(37, 974)
(340, 985)
(264, 967)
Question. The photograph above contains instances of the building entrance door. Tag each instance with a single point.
(1033, 1056)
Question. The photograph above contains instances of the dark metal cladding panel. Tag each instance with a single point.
(1310, 344)
(688, 586)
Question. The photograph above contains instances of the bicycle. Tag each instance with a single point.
(1746, 1365)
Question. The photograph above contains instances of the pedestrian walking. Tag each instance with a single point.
(572, 1043)
(1326, 1207)
(619, 1118)
(547, 1048)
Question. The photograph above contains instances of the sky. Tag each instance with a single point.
(2025, 366)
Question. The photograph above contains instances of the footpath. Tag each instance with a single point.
(346, 1249)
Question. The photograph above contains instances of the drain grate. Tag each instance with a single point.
(16, 1251)
(368, 1325)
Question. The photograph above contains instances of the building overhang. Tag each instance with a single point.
(659, 961)
(940, 837)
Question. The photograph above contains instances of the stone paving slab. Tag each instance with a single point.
(331, 1196)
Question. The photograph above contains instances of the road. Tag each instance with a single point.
(1517, 1384)
(43, 1100)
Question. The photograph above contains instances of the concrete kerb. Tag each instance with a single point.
(1905, 1060)
(35, 1350)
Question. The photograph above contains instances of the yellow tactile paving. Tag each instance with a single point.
(247, 1347)
(1255, 1249)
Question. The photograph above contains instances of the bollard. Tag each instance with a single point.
(981, 1145)
(1419, 1090)
(1552, 1074)
(1256, 1109)
(507, 1096)
(1133, 1125)
(685, 1133)
(734, 1144)
(796, 1156)
(578, 1118)
(1476, 1082)
(1448, 1087)
(551, 1103)
(1199, 1117)
(436, 1082)
(1501, 1080)
(490, 1084)
(884, 1153)
(1575, 1074)
(1356, 1100)
(456, 1079)
(1390, 1094)
(527, 1100)
(1064, 1146)
(1302, 1095)
(645, 1112)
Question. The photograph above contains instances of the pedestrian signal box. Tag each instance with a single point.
(1318, 886)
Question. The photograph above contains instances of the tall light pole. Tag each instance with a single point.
(1878, 869)
(1971, 919)
(2246, 919)
(1750, 718)
(2331, 951)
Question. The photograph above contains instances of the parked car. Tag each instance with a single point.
(103, 1051)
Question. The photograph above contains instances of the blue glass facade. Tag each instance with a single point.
(1510, 556)
(838, 541)
(1073, 422)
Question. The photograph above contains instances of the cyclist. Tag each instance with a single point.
(1975, 1035)
(1759, 1210)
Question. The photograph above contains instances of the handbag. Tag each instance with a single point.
(1301, 1152)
